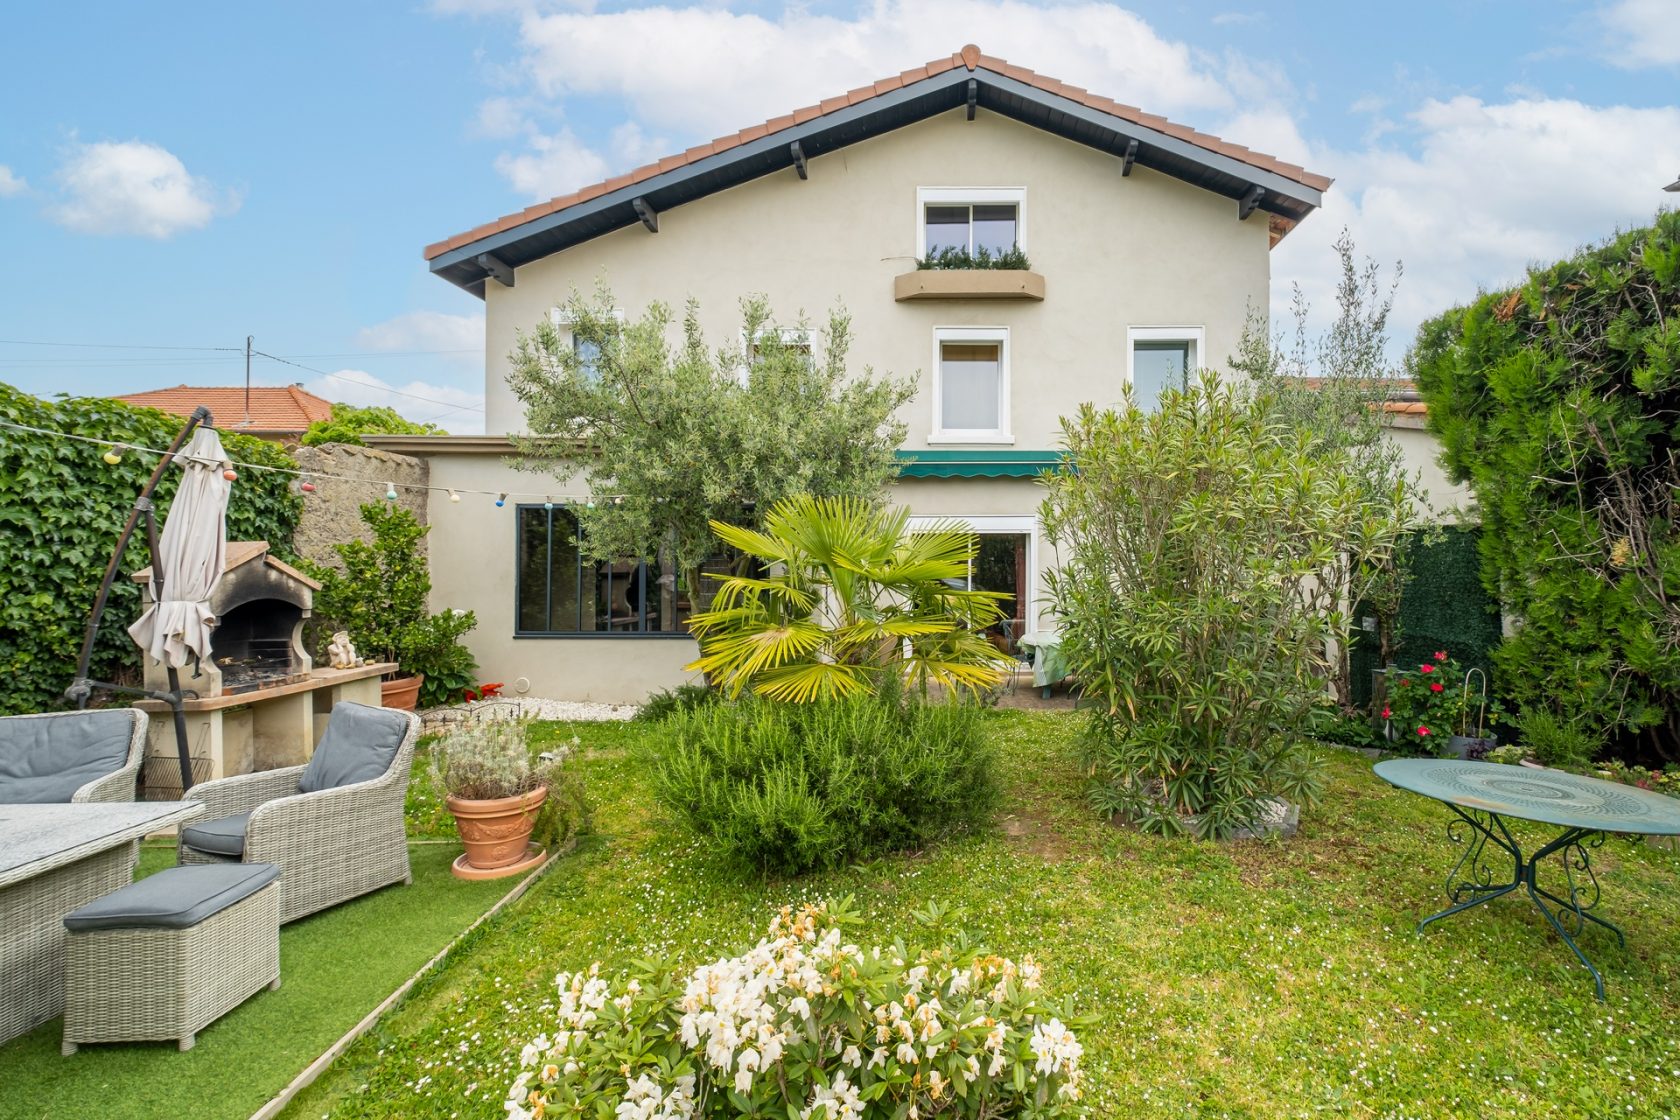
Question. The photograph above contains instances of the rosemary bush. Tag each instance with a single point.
(493, 758)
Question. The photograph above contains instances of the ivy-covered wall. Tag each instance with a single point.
(62, 508)
(1559, 403)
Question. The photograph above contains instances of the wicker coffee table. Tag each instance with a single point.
(54, 858)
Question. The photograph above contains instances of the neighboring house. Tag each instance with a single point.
(1148, 243)
(278, 413)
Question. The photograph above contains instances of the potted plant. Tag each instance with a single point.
(495, 791)
(1428, 710)
(379, 595)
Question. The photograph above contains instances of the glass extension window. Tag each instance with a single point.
(970, 219)
(560, 592)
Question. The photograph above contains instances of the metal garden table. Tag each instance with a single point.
(1484, 795)
(54, 858)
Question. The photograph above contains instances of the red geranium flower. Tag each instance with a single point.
(1436, 686)
(1423, 730)
(1385, 713)
(1440, 655)
(1426, 668)
(1404, 681)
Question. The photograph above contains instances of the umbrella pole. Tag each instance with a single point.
(81, 688)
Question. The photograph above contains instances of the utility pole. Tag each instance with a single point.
(247, 381)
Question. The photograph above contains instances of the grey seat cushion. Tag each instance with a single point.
(358, 746)
(178, 898)
(224, 836)
(46, 759)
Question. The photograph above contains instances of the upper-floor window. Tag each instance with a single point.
(971, 385)
(1161, 358)
(970, 219)
(587, 350)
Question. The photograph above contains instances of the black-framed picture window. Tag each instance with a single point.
(559, 591)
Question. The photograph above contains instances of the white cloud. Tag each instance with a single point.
(1641, 33)
(1488, 190)
(11, 183)
(553, 164)
(426, 331)
(457, 410)
(133, 187)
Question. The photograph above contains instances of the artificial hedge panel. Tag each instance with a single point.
(1559, 403)
(62, 508)
(1444, 607)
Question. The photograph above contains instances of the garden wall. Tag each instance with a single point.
(331, 513)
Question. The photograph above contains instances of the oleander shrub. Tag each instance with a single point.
(790, 788)
(62, 509)
(1193, 600)
(806, 1026)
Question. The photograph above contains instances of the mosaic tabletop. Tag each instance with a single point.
(1548, 796)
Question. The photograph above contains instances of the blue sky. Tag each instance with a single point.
(186, 174)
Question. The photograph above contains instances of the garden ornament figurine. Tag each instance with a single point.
(340, 653)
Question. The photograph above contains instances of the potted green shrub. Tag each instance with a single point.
(379, 596)
(495, 791)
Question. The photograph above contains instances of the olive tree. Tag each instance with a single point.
(1197, 546)
(676, 433)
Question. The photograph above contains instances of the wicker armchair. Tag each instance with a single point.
(73, 757)
(331, 844)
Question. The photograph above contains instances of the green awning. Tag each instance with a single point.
(976, 464)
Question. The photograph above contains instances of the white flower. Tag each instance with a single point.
(851, 1057)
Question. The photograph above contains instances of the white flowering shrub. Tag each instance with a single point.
(806, 1025)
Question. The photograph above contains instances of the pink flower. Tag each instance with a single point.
(1440, 655)
(1423, 730)
(1426, 668)
(1385, 713)
(1436, 686)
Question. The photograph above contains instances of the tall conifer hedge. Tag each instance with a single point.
(1559, 403)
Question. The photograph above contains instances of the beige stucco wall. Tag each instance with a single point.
(1449, 502)
(1143, 251)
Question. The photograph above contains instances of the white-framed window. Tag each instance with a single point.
(970, 218)
(1161, 358)
(797, 339)
(1007, 562)
(588, 351)
(971, 385)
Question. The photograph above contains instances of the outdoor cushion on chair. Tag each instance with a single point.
(46, 759)
(224, 836)
(176, 898)
(358, 746)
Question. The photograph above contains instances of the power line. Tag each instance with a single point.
(365, 385)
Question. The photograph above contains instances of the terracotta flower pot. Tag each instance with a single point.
(497, 832)
(402, 693)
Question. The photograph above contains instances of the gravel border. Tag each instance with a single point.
(525, 707)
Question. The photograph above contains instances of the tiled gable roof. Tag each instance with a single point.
(275, 410)
(971, 58)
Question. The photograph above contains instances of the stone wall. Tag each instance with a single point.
(331, 514)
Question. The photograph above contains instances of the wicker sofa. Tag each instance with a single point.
(71, 757)
(333, 827)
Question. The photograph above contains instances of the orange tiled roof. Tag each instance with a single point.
(275, 410)
(970, 57)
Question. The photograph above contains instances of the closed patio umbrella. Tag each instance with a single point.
(189, 557)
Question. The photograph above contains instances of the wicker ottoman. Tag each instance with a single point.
(168, 955)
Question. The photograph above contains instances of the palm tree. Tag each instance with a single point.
(850, 595)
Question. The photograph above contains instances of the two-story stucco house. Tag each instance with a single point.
(1148, 243)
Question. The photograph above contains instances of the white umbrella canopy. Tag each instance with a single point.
(190, 557)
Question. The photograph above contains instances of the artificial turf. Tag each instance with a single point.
(1247, 980)
(335, 967)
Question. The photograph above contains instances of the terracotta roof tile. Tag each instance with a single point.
(275, 409)
(970, 57)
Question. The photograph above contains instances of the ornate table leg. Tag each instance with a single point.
(1569, 915)
(1471, 881)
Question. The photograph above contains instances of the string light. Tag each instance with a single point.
(307, 480)
(112, 457)
(548, 503)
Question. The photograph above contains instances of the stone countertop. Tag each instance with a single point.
(319, 678)
(35, 839)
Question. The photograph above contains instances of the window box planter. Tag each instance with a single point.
(968, 283)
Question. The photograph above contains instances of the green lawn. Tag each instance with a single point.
(1245, 980)
(335, 967)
